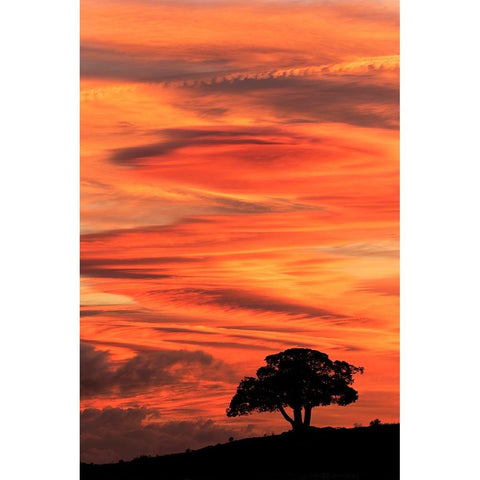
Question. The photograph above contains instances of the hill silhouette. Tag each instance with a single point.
(361, 453)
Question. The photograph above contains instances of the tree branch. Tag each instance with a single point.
(285, 415)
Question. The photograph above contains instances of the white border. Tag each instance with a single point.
(439, 238)
(39, 188)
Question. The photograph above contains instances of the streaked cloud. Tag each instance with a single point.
(178, 138)
(381, 286)
(246, 300)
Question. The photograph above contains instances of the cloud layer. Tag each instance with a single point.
(150, 369)
(112, 434)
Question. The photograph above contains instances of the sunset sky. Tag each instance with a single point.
(239, 196)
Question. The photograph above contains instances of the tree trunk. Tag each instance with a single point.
(308, 416)
(297, 418)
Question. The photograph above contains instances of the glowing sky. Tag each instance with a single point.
(239, 196)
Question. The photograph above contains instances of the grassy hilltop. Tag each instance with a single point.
(362, 453)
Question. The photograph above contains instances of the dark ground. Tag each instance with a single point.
(362, 453)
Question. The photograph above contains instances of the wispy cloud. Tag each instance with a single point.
(246, 300)
(180, 138)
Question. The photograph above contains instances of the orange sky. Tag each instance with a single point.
(239, 196)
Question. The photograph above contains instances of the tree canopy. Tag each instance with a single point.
(298, 378)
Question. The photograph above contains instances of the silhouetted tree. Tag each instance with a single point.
(299, 378)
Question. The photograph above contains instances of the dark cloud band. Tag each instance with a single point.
(99, 376)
